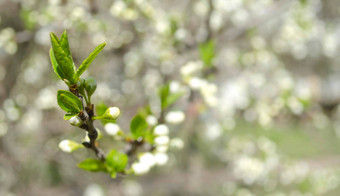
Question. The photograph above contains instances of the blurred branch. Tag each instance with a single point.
(93, 6)
(208, 19)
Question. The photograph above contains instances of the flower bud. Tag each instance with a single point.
(112, 129)
(69, 146)
(162, 140)
(175, 117)
(147, 159)
(176, 143)
(140, 168)
(161, 158)
(161, 130)
(151, 120)
(112, 113)
(76, 121)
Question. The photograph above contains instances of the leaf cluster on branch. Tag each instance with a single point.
(144, 136)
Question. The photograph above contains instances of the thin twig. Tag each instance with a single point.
(86, 116)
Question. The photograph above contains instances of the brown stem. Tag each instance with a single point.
(93, 135)
(86, 116)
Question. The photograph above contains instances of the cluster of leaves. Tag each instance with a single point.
(115, 162)
(82, 114)
(72, 101)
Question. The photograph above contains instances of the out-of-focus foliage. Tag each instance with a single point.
(258, 112)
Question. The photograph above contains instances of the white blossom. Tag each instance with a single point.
(177, 143)
(162, 140)
(140, 168)
(163, 148)
(151, 120)
(69, 146)
(175, 117)
(147, 159)
(113, 112)
(161, 130)
(191, 67)
(112, 129)
(161, 158)
(75, 121)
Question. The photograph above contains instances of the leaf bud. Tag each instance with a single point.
(90, 86)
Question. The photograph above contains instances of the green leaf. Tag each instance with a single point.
(207, 52)
(166, 97)
(64, 44)
(138, 126)
(164, 92)
(173, 26)
(56, 66)
(86, 63)
(68, 116)
(69, 102)
(116, 161)
(173, 98)
(92, 165)
(63, 60)
(101, 109)
(90, 86)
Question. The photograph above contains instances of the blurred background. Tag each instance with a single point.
(261, 112)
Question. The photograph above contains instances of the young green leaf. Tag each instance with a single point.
(86, 63)
(207, 52)
(166, 97)
(92, 165)
(173, 98)
(116, 161)
(63, 60)
(163, 93)
(69, 102)
(138, 126)
(101, 109)
(64, 44)
(56, 66)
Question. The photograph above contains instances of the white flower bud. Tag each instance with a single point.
(176, 143)
(161, 130)
(161, 148)
(162, 140)
(147, 159)
(112, 129)
(191, 67)
(175, 117)
(196, 83)
(174, 86)
(76, 121)
(69, 146)
(151, 120)
(140, 168)
(86, 138)
(113, 112)
(161, 158)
